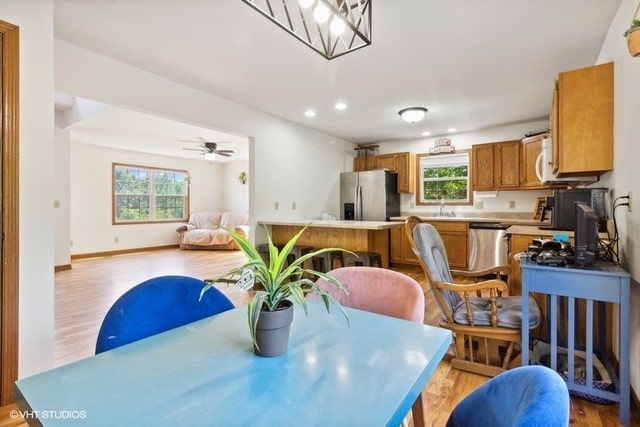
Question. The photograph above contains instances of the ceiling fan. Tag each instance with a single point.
(210, 149)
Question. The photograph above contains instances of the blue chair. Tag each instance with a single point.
(155, 306)
(526, 396)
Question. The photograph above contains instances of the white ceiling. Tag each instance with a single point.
(473, 64)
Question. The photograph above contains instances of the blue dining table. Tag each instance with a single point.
(366, 373)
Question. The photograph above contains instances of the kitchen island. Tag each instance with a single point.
(367, 236)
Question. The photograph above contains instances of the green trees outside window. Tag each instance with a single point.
(145, 194)
(444, 177)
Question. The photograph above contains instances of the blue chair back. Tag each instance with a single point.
(528, 396)
(155, 306)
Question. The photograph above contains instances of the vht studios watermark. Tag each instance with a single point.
(49, 415)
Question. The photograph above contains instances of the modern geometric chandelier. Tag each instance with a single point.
(330, 27)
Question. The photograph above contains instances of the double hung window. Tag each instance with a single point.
(444, 177)
(147, 194)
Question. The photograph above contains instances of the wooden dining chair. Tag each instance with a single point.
(157, 305)
(486, 328)
(381, 291)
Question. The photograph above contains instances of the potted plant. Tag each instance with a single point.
(270, 312)
(633, 38)
(243, 177)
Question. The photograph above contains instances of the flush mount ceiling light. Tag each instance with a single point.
(412, 114)
(330, 27)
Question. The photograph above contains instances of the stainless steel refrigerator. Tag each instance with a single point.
(369, 195)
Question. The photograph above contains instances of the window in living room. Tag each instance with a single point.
(443, 177)
(148, 194)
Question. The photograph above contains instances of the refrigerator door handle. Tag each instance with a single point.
(358, 203)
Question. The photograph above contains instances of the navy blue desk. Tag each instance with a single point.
(205, 373)
(605, 282)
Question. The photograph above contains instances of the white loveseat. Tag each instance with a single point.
(206, 230)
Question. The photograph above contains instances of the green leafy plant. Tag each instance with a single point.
(243, 177)
(279, 279)
(635, 26)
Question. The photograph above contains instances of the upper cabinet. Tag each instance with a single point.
(405, 166)
(401, 163)
(363, 163)
(582, 121)
(496, 166)
(530, 151)
(386, 161)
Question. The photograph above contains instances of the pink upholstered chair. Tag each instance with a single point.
(377, 290)
(380, 291)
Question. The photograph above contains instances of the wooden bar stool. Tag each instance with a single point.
(325, 261)
(367, 259)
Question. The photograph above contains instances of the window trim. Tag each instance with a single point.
(419, 190)
(152, 169)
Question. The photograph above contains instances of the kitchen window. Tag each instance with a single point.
(443, 177)
(145, 194)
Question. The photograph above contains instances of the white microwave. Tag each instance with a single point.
(544, 166)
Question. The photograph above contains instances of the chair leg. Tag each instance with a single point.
(418, 412)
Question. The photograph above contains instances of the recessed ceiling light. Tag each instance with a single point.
(310, 113)
(426, 133)
(340, 106)
(450, 130)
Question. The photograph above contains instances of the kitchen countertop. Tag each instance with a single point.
(511, 221)
(362, 225)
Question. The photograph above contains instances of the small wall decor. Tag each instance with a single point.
(633, 35)
(441, 146)
(243, 177)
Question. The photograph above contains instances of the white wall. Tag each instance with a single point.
(90, 188)
(287, 162)
(36, 191)
(62, 202)
(524, 201)
(626, 159)
(235, 195)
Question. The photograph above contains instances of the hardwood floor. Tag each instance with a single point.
(84, 294)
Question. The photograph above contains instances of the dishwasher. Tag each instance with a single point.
(488, 245)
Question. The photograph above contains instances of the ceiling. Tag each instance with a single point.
(473, 64)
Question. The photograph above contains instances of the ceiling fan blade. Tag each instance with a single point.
(224, 151)
(194, 149)
(223, 154)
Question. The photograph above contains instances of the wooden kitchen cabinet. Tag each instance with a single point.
(405, 164)
(453, 234)
(363, 163)
(401, 163)
(529, 154)
(496, 166)
(385, 161)
(455, 238)
(582, 121)
(401, 251)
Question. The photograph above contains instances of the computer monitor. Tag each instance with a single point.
(585, 234)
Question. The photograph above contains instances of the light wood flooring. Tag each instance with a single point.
(84, 294)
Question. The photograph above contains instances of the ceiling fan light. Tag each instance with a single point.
(210, 156)
(412, 114)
